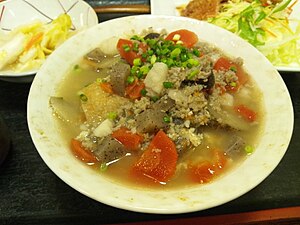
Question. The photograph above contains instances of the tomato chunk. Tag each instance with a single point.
(188, 38)
(158, 161)
(130, 140)
(205, 171)
(80, 152)
(247, 113)
(133, 91)
(129, 51)
(225, 64)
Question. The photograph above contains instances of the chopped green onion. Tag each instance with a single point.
(196, 52)
(233, 84)
(249, 149)
(193, 74)
(134, 70)
(126, 48)
(154, 98)
(168, 84)
(140, 74)
(103, 167)
(112, 115)
(175, 53)
(170, 62)
(233, 68)
(137, 62)
(137, 38)
(135, 47)
(144, 92)
(144, 69)
(99, 80)
(150, 52)
(165, 51)
(153, 59)
(77, 68)
(167, 119)
(193, 62)
(130, 79)
(83, 97)
(184, 57)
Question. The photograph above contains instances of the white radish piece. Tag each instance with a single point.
(104, 129)
(155, 78)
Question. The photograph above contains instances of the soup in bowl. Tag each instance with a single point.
(159, 117)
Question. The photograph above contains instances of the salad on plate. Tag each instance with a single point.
(272, 26)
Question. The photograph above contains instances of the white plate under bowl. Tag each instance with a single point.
(20, 12)
(55, 151)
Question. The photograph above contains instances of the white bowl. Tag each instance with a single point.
(20, 12)
(55, 151)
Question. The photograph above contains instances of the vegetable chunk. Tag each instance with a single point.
(158, 162)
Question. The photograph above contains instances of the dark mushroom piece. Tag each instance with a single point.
(152, 36)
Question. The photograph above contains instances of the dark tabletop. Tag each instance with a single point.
(30, 193)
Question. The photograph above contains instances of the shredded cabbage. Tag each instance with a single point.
(40, 40)
(265, 27)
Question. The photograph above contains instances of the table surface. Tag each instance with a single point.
(32, 194)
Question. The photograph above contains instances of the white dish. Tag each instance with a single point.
(20, 12)
(168, 7)
(55, 151)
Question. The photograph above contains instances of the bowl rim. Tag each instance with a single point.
(171, 201)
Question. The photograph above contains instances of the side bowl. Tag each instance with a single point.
(20, 12)
(56, 153)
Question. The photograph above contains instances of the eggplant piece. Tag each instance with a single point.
(150, 121)
(118, 77)
(109, 150)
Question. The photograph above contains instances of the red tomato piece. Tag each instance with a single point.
(126, 49)
(133, 91)
(188, 38)
(206, 171)
(247, 113)
(159, 160)
(130, 140)
(83, 154)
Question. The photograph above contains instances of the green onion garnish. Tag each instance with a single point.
(126, 48)
(137, 62)
(168, 84)
(103, 167)
(249, 149)
(167, 119)
(192, 74)
(143, 92)
(83, 97)
(130, 79)
(112, 115)
(154, 98)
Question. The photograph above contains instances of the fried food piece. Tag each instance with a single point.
(99, 103)
(201, 9)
